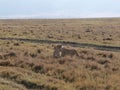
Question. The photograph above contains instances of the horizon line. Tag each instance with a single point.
(61, 18)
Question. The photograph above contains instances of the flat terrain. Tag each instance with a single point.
(95, 31)
(29, 65)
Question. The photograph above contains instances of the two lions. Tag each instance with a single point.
(61, 51)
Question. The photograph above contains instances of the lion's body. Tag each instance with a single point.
(68, 51)
(61, 51)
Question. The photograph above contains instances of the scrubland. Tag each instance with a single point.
(95, 31)
(31, 66)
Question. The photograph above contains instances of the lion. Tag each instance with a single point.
(62, 51)
(57, 51)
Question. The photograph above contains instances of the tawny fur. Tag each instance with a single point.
(61, 51)
(68, 51)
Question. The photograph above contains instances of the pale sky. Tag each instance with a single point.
(59, 8)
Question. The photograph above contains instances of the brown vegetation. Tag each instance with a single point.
(95, 31)
(31, 66)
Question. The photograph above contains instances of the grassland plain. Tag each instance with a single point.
(31, 66)
(97, 31)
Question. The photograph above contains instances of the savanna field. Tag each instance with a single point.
(28, 65)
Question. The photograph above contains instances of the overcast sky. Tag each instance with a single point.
(59, 8)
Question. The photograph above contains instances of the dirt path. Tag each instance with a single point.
(74, 44)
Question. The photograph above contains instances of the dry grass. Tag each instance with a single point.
(21, 64)
(31, 66)
(95, 31)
